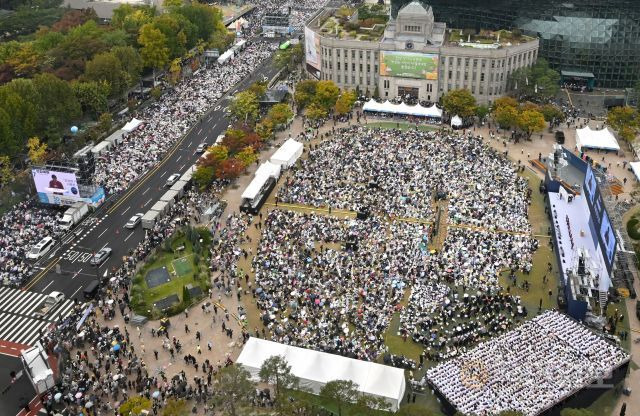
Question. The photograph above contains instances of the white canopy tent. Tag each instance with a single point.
(596, 139)
(254, 187)
(132, 125)
(314, 369)
(287, 154)
(268, 169)
(402, 109)
(635, 167)
(456, 121)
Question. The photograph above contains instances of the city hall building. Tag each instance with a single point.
(412, 54)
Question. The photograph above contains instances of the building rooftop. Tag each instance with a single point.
(366, 23)
(484, 39)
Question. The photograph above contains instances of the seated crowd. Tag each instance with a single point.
(528, 369)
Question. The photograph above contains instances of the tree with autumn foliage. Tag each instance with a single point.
(345, 102)
(531, 121)
(280, 113)
(231, 168)
(626, 121)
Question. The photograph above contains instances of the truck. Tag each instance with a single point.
(73, 215)
(49, 303)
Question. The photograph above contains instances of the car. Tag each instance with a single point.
(201, 148)
(41, 248)
(101, 256)
(134, 221)
(172, 179)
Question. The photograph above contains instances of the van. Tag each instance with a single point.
(91, 290)
(41, 248)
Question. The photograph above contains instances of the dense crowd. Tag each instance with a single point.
(168, 119)
(21, 228)
(528, 369)
(397, 173)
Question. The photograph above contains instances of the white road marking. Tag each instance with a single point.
(75, 293)
(76, 273)
(130, 234)
(146, 190)
(163, 173)
(200, 131)
(123, 212)
(47, 287)
(102, 233)
(179, 157)
(146, 203)
(182, 167)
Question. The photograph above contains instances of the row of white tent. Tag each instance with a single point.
(283, 158)
(116, 138)
(314, 369)
(402, 109)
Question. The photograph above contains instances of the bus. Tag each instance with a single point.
(285, 45)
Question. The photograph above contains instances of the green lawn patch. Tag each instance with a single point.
(186, 264)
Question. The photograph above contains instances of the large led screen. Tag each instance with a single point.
(409, 65)
(54, 182)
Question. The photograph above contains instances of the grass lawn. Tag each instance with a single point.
(402, 125)
(182, 271)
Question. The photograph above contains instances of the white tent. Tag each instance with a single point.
(402, 109)
(287, 154)
(101, 147)
(132, 125)
(456, 121)
(596, 139)
(635, 167)
(314, 369)
(254, 187)
(268, 169)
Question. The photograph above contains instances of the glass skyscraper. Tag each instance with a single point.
(597, 36)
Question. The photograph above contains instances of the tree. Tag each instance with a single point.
(207, 20)
(172, 4)
(276, 371)
(459, 102)
(551, 113)
(280, 113)
(92, 96)
(107, 67)
(26, 61)
(105, 122)
(175, 407)
(6, 173)
(130, 61)
(327, 93)
(154, 51)
(305, 92)
(538, 81)
(482, 111)
(341, 392)
(234, 139)
(175, 69)
(626, 121)
(247, 156)
(244, 106)
(289, 58)
(216, 154)
(414, 409)
(231, 168)
(531, 121)
(18, 120)
(186, 295)
(264, 128)
(345, 102)
(259, 88)
(315, 112)
(364, 403)
(505, 101)
(506, 116)
(57, 105)
(204, 176)
(37, 150)
(235, 390)
(134, 406)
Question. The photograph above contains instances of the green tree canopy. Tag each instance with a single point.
(531, 121)
(305, 92)
(327, 93)
(134, 405)
(107, 67)
(626, 121)
(244, 106)
(340, 392)
(506, 116)
(344, 103)
(538, 81)
(154, 51)
(235, 390)
(459, 102)
(276, 371)
(92, 96)
(280, 113)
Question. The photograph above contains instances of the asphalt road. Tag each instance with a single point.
(105, 228)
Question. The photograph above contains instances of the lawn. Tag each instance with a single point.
(184, 266)
(401, 126)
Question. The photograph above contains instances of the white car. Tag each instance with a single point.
(172, 179)
(201, 148)
(134, 221)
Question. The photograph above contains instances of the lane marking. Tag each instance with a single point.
(123, 212)
(76, 292)
(163, 173)
(146, 203)
(146, 190)
(47, 286)
(179, 157)
(130, 234)
(200, 131)
(102, 233)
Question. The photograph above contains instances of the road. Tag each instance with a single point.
(105, 228)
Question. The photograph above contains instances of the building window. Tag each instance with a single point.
(459, 61)
(473, 90)
(484, 62)
(493, 63)
(353, 67)
(449, 77)
(353, 54)
(465, 76)
(368, 54)
(353, 79)
(360, 67)
(339, 78)
(481, 90)
(375, 68)
(360, 54)
(386, 83)
(368, 68)
(338, 66)
(466, 62)
(412, 28)
(338, 52)
(482, 77)
(475, 63)
(473, 76)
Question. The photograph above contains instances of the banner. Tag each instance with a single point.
(409, 65)
(311, 48)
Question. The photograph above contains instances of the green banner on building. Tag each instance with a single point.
(409, 65)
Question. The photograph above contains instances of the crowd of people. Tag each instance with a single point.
(528, 369)
(23, 227)
(396, 173)
(167, 120)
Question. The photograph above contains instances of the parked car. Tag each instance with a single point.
(134, 221)
(101, 256)
(202, 147)
(41, 248)
(172, 179)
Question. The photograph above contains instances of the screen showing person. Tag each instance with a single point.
(54, 182)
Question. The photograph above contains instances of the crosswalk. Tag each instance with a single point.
(18, 320)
